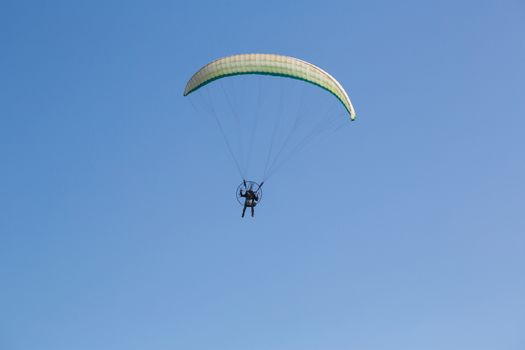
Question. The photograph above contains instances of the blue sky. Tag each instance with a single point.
(119, 227)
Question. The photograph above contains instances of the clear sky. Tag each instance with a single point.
(119, 227)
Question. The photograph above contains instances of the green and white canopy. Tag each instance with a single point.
(268, 64)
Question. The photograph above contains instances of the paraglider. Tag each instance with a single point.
(248, 193)
(251, 197)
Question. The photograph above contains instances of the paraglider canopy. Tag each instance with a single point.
(269, 64)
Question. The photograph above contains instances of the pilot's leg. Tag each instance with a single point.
(252, 211)
(243, 211)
